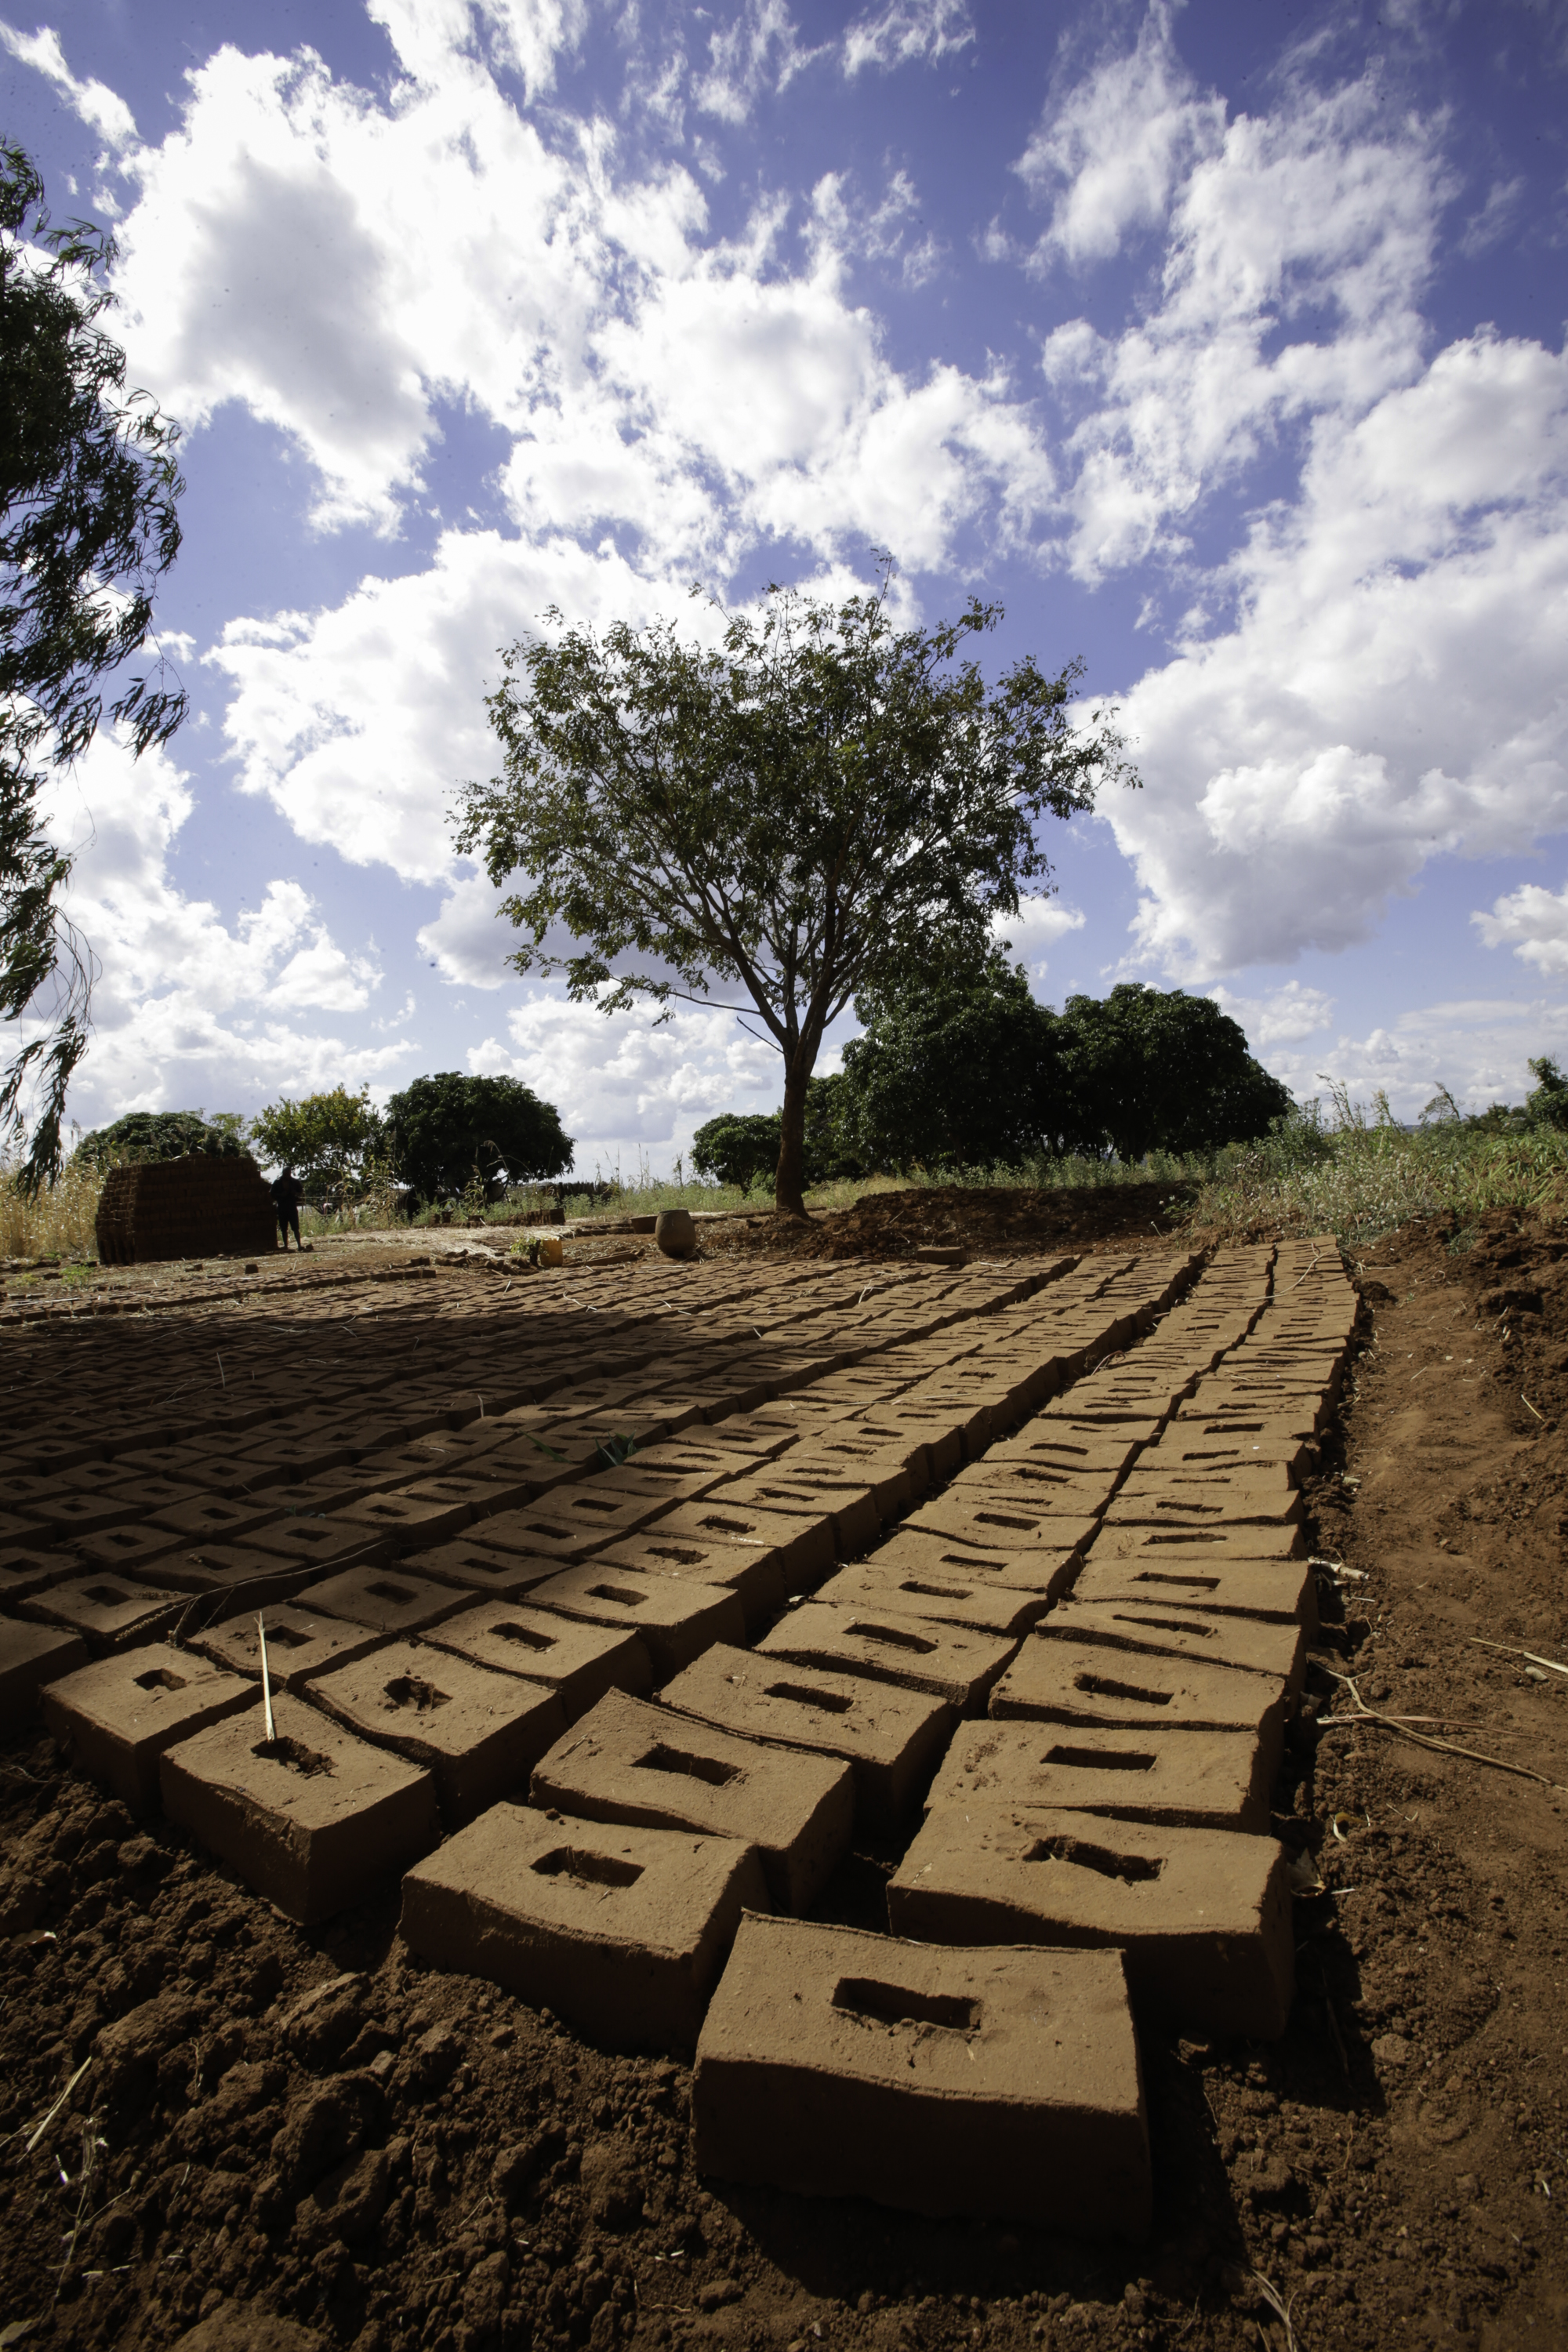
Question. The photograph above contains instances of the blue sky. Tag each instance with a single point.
(1222, 343)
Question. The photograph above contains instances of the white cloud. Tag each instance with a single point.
(1109, 155)
(103, 109)
(186, 1007)
(1283, 1017)
(469, 939)
(1034, 932)
(907, 32)
(1479, 1048)
(758, 51)
(1533, 923)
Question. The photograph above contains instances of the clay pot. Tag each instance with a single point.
(674, 1233)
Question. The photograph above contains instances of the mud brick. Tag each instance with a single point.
(891, 1737)
(753, 1571)
(119, 1713)
(569, 1524)
(216, 1518)
(323, 1542)
(747, 1436)
(1200, 1779)
(887, 1449)
(811, 1493)
(66, 1517)
(1246, 1542)
(946, 1662)
(913, 1550)
(124, 1550)
(1036, 1486)
(623, 1932)
(299, 1644)
(110, 1612)
(935, 1595)
(1188, 1577)
(945, 2080)
(677, 1467)
(1201, 1917)
(676, 1620)
(1297, 1457)
(235, 1569)
(1203, 1418)
(23, 1570)
(479, 1734)
(1212, 1503)
(908, 1422)
(484, 1487)
(1055, 1436)
(804, 1547)
(1072, 1682)
(579, 1662)
(312, 1818)
(857, 1462)
(385, 1597)
(480, 1568)
(297, 1454)
(408, 1518)
(631, 1762)
(30, 1656)
(1240, 1644)
(976, 1515)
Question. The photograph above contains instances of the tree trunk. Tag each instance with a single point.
(789, 1184)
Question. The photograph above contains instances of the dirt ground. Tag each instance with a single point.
(312, 2124)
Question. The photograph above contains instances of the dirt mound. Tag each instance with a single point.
(986, 1217)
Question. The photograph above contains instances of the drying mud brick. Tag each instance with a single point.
(1038, 1570)
(937, 1595)
(31, 1656)
(631, 1762)
(299, 1644)
(674, 1622)
(1194, 1576)
(1201, 1917)
(578, 1661)
(1241, 1645)
(194, 1207)
(1080, 1682)
(1199, 1780)
(386, 1599)
(621, 1931)
(881, 1645)
(110, 1612)
(480, 1568)
(1003, 2083)
(754, 1572)
(118, 1715)
(979, 1515)
(237, 1570)
(312, 1818)
(804, 1548)
(477, 1733)
(323, 1543)
(890, 1738)
(797, 1492)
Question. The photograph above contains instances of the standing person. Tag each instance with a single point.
(287, 1195)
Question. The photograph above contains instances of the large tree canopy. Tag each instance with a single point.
(964, 1073)
(330, 1140)
(1149, 1069)
(88, 524)
(443, 1130)
(819, 804)
(161, 1135)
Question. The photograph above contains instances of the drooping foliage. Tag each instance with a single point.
(159, 1135)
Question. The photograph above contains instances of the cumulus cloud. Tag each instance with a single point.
(759, 50)
(101, 107)
(469, 939)
(906, 32)
(1479, 1048)
(1034, 932)
(1533, 923)
(1283, 1017)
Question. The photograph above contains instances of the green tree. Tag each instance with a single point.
(442, 1128)
(330, 1140)
(159, 1135)
(1148, 1069)
(1546, 1104)
(819, 806)
(88, 525)
(736, 1147)
(964, 1073)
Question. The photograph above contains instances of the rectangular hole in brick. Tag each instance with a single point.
(1002, 1519)
(597, 1503)
(894, 2005)
(107, 1596)
(721, 1527)
(1099, 1760)
(411, 1691)
(1101, 1687)
(160, 1678)
(830, 1702)
(528, 1635)
(1167, 1625)
(384, 1589)
(934, 1591)
(894, 1637)
(286, 1637)
(1134, 1869)
(1188, 1584)
(617, 1592)
(1180, 1536)
(661, 1759)
(123, 1537)
(592, 1869)
(294, 1757)
(679, 1554)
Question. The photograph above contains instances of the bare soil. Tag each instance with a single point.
(417, 2159)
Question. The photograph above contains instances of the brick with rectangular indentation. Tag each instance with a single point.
(299, 1644)
(109, 1611)
(798, 1492)
(480, 1568)
(979, 1515)
(948, 2081)
(938, 1594)
(1190, 1576)
(477, 1733)
(1064, 1681)
(628, 1761)
(387, 1598)
(805, 1547)
(311, 1818)
(119, 1713)
(30, 1656)
(577, 1661)
(911, 1550)
(1241, 1645)
(1201, 1917)
(1204, 1779)
(675, 1619)
(621, 1931)
(948, 1662)
(753, 1571)
(892, 1738)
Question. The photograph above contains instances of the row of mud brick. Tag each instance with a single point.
(617, 1721)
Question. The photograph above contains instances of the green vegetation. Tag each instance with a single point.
(473, 1137)
(89, 486)
(335, 1143)
(161, 1135)
(819, 807)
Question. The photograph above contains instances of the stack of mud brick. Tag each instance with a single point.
(1019, 1548)
(194, 1207)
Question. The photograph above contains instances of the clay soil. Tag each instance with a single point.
(411, 2160)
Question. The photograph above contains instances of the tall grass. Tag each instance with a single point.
(56, 1221)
